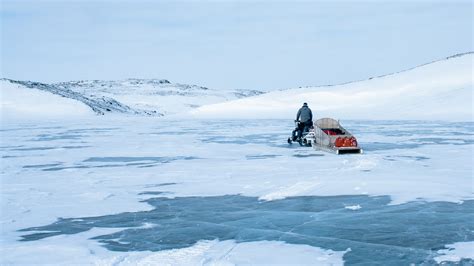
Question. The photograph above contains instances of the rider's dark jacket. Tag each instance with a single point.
(304, 114)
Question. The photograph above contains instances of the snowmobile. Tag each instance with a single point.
(327, 134)
(299, 126)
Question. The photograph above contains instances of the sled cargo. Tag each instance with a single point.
(328, 135)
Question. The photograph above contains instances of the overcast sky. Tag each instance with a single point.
(242, 45)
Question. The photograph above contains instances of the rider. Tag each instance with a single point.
(305, 116)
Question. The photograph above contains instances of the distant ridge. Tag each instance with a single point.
(449, 86)
(100, 105)
(141, 97)
(439, 90)
(389, 74)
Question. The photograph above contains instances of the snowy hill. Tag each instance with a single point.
(18, 101)
(441, 90)
(54, 105)
(143, 97)
(157, 95)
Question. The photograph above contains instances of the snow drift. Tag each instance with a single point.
(441, 90)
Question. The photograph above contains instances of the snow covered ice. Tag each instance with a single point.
(203, 180)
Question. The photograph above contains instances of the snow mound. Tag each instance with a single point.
(441, 90)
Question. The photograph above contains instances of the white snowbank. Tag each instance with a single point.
(456, 252)
(19, 102)
(436, 91)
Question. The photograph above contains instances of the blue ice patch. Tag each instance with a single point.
(377, 234)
